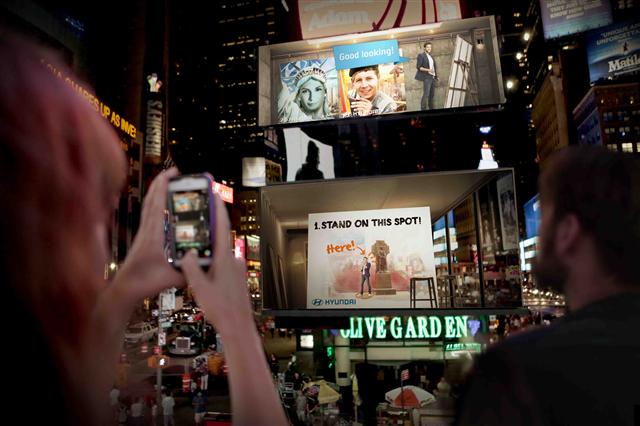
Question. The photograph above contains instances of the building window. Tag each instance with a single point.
(627, 147)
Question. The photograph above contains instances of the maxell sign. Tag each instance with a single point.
(614, 50)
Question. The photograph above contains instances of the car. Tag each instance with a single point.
(140, 332)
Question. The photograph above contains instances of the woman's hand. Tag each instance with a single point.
(146, 271)
(222, 291)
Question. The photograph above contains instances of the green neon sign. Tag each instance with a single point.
(414, 328)
(467, 346)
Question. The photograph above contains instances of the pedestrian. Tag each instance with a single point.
(114, 400)
(123, 413)
(154, 414)
(588, 244)
(199, 408)
(167, 409)
(137, 414)
(301, 403)
(274, 365)
(62, 173)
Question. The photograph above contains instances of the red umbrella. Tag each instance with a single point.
(409, 397)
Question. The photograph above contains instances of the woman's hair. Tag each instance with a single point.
(60, 169)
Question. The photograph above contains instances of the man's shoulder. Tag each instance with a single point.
(570, 336)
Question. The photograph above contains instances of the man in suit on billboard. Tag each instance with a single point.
(365, 273)
(426, 72)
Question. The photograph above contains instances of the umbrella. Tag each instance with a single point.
(409, 397)
(323, 391)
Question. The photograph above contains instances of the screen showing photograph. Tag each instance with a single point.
(366, 258)
(187, 201)
(372, 89)
(307, 158)
(454, 64)
(191, 223)
(308, 91)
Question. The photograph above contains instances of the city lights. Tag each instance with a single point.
(526, 36)
(510, 84)
(519, 55)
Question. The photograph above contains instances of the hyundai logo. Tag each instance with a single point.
(317, 302)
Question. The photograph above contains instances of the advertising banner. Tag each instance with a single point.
(253, 172)
(365, 259)
(454, 64)
(309, 90)
(564, 17)
(368, 84)
(614, 50)
(507, 208)
(532, 216)
(322, 18)
(307, 158)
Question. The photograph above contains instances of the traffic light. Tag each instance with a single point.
(331, 356)
(155, 361)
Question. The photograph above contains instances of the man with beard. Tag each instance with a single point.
(572, 372)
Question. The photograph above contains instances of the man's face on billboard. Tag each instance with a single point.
(427, 48)
(366, 84)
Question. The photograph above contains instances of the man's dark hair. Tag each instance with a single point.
(426, 43)
(354, 71)
(602, 189)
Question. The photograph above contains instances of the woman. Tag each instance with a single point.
(61, 171)
(309, 99)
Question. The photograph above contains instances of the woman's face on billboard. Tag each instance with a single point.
(311, 95)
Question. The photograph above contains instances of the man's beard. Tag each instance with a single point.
(548, 268)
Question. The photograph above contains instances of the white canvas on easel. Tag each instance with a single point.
(458, 85)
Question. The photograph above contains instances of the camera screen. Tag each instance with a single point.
(191, 222)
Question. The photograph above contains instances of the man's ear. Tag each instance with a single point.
(568, 233)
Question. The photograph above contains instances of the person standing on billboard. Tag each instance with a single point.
(426, 73)
(365, 272)
(365, 96)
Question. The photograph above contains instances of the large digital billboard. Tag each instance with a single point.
(425, 67)
(365, 258)
(614, 50)
(356, 243)
(564, 17)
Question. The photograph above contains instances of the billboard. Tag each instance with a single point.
(307, 158)
(313, 250)
(532, 216)
(322, 18)
(564, 17)
(366, 258)
(614, 50)
(426, 67)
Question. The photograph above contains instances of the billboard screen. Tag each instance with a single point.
(365, 258)
(614, 50)
(345, 238)
(532, 216)
(426, 67)
(564, 17)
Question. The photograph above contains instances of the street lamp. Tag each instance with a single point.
(510, 84)
(526, 36)
(519, 55)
